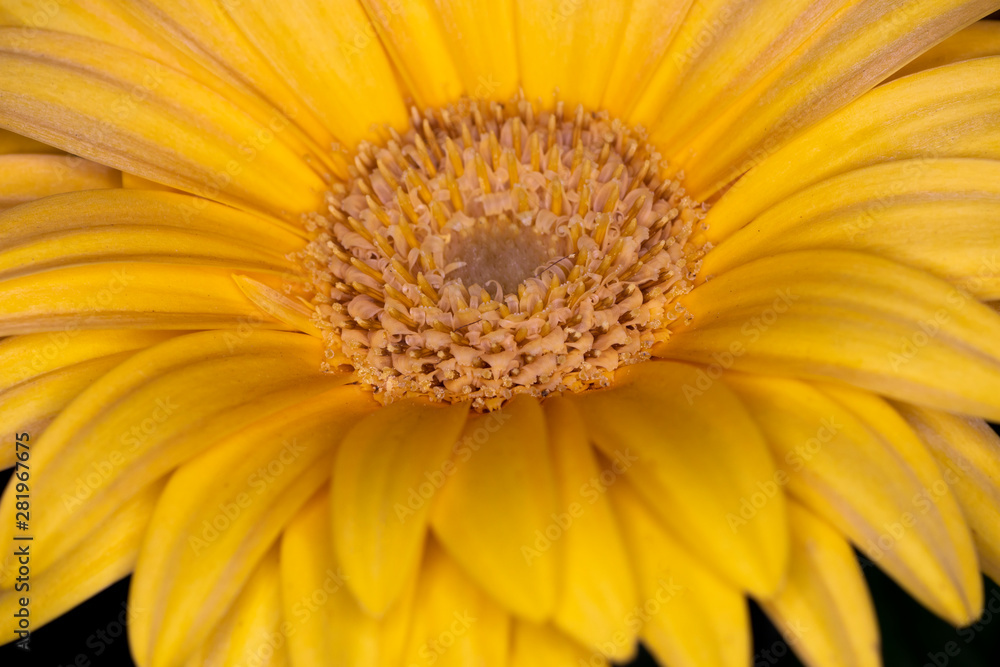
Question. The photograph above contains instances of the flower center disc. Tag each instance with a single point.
(495, 249)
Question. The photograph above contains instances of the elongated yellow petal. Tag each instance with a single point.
(129, 294)
(413, 35)
(851, 316)
(15, 143)
(824, 610)
(330, 55)
(117, 108)
(963, 565)
(41, 373)
(722, 48)
(457, 624)
(849, 54)
(650, 26)
(324, 624)
(945, 112)
(597, 590)
(108, 556)
(869, 476)
(24, 178)
(30, 406)
(278, 305)
(122, 208)
(541, 646)
(556, 39)
(104, 20)
(687, 615)
(942, 216)
(153, 413)
(692, 467)
(133, 182)
(979, 40)
(251, 629)
(205, 538)
(968, 452)
(483, 44)
(216, 43)
(25, 357)
(135, 243)
(386, 467)
(502, 495)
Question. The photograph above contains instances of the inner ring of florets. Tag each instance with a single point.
(495, 249)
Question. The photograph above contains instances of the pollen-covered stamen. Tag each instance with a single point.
(495, 249)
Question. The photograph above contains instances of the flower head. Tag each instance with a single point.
(411, 332)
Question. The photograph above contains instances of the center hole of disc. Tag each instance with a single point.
(504, 252)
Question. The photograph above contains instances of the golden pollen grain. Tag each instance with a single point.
(495, 249)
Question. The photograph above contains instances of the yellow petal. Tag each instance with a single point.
(152, 413)
(482, 40)
(329, 54)
(851, 316)
(968, 453)
(24, 178)
(457, 624)
(722, 48)
(650, 26)
(128, 294)
(232, 64)
(30, 406)
(557, 38)
(324, 624)
(692, 467)
(824, 611)
(15, 143)
(413, 35)
(251, 629)
(945, 112)
(543, 646)
(854, 462)
(117, 108)
(205, 538)
(490, 511)
(687, 615)
(108, 556)
(894, 210)
(852, 52)
(979, 40)
(133, 182)
(597, 589)
(122, 208)
(135, 243)
(23, 358)
(296, 314)
(386, 468)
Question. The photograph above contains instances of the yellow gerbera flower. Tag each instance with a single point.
(495, 332)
